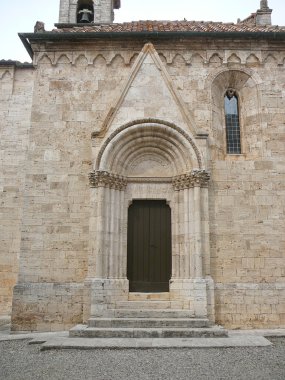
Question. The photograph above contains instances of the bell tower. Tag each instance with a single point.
(87, 11)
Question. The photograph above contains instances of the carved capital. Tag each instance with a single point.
(200, 177)
(196, 177)
(101, 178)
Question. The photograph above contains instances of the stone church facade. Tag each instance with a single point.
(143, 158)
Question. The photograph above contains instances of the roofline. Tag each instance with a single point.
(27, 44)
(28, 38)
(11, 62)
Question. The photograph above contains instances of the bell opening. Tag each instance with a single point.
(85, 11)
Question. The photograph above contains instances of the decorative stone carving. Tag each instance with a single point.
(105, 179)
(194, 178)
(39, 27)
(146, 121)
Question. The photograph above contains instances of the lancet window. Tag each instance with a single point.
(232, 122)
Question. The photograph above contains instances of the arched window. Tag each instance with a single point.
(85, 11)
(232, 122)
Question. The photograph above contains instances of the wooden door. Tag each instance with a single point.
(149, 246)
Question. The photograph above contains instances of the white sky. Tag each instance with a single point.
(21, 15)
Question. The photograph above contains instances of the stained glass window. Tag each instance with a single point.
(232, 122)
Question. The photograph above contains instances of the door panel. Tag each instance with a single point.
(149, 246)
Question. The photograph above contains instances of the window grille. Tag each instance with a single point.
(232, 122)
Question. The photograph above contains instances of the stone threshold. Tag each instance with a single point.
(61, 340)
(151, 343)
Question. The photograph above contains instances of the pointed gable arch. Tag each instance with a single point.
(6, 75)
(118, 61)
(197, 60)
(45, 60)
(270, 60)
(63, 59)
(178, 60)
(81, 60)
(99, 60)
(215, 60)
(252, 60)
(234, 59)
(149, 82)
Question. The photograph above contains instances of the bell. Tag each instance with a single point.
(85, 16)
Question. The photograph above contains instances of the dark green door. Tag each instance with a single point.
(149, 246)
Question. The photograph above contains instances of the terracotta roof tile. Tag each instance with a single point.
(10, 62)
(170, 26)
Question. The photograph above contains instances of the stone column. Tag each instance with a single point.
(198, 264)
(205, 229)
(188, 187)
(95, 264)
(106, 232)
(191, 286)
(200, 180)
(104, 284)
(175, 236)
(122, 238)
(112, 235)
(186, 233)
(107, 215)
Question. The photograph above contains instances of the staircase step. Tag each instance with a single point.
(147, 313)
(149, 296)
(149, 304)
(92, 332)
(148, 322)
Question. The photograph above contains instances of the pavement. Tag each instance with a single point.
(20, 360)
(61, 340)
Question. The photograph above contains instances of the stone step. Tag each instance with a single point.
(148, 322)
(149, 304)
(147, 313)
(84, 331)
(149, 296)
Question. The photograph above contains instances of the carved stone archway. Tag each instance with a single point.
(148, 160)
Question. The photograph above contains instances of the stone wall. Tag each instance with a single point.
(68, 101)
(77, 90)
(16, 88)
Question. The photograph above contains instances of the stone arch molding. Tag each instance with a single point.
(149, 148)
(149, 159)
(246, 83)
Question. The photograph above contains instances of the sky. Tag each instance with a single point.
(21, 15)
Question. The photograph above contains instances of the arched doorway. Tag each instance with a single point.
(149, 246)
(158, 163)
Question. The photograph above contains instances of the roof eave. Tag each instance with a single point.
(28, 38)
(27, 44)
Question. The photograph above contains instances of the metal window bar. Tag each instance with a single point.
(232, 123)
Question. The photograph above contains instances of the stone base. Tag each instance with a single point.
(46, 306)
(102, 294)
(250, 305)
(197, 295)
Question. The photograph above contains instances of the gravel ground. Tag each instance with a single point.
(19, 361)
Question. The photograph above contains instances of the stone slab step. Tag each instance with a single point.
(148, 322)
(157, 343)
(147, 313)
(149, 296)
(149, 304)
(84, 331)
